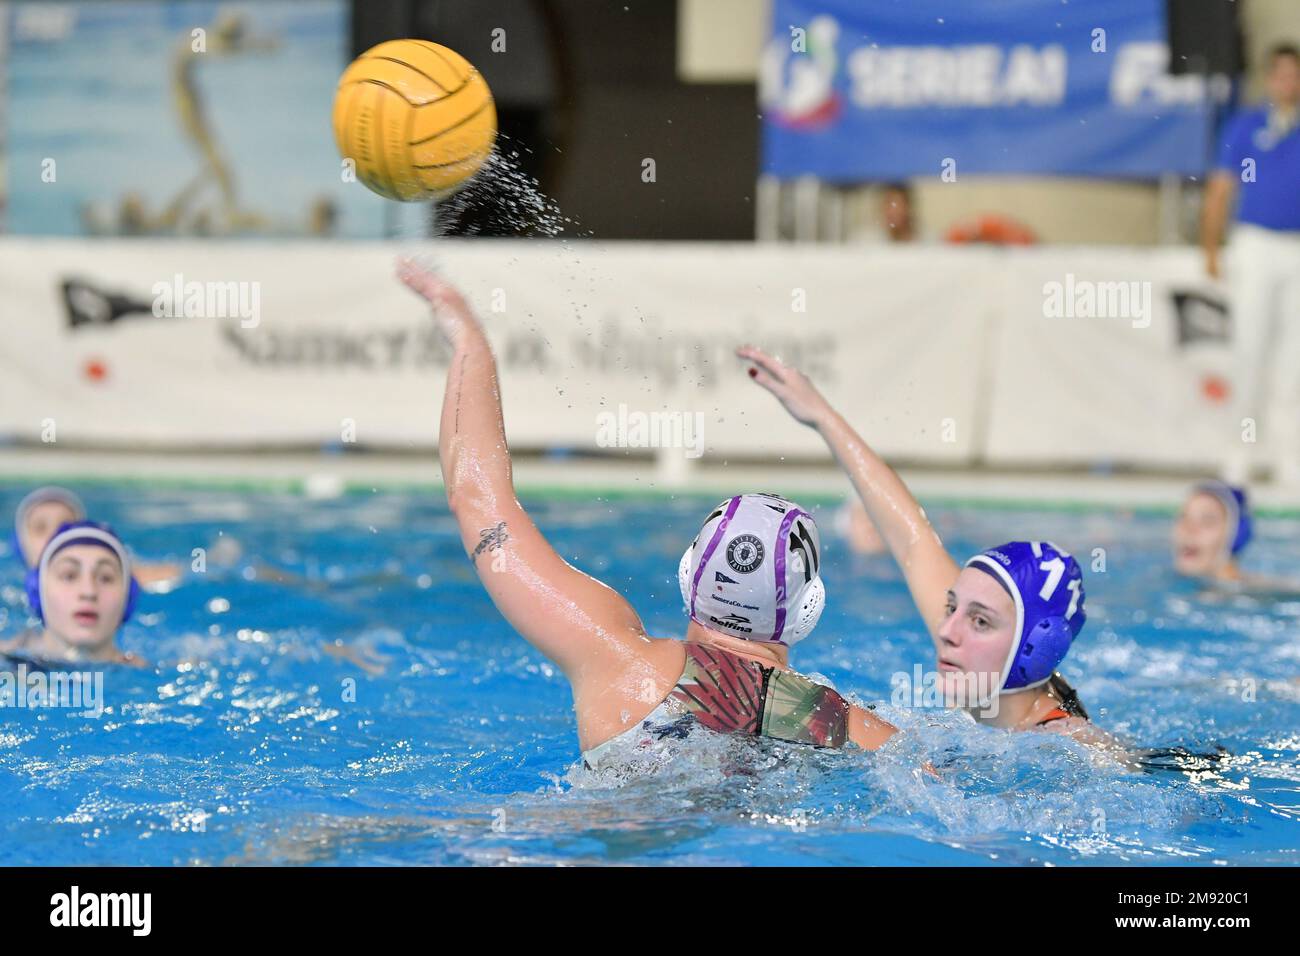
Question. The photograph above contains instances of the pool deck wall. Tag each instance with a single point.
(327, 475)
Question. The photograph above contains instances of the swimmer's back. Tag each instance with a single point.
(731, 694)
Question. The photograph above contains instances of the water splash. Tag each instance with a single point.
(502, 199)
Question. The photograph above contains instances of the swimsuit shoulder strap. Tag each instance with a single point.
(1054, 714)
(804, 712)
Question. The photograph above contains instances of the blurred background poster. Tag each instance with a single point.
(888, 90)
(162, 127)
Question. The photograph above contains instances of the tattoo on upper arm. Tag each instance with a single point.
(490, 539)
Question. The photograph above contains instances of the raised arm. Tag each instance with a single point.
(928, 568)
(579, 623)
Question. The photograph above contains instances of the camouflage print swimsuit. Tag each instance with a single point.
(735, 695)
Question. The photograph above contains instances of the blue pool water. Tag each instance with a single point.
(245, 744)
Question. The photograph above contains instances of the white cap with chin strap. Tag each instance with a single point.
(41, 496)
(46, 494)
(753, 571)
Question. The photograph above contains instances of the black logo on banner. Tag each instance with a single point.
(1201, 318)
(85, 304)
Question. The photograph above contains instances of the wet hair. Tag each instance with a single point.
(1275, 53)
(1067, 695)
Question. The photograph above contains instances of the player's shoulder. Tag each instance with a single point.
(21, 641)
(1069, 724)
(1247, 119)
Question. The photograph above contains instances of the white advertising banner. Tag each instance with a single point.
(941, 355)
(1110, 357)
(223, 344)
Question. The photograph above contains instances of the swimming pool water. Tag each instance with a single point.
(253, 741)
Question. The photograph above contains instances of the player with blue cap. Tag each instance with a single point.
(1002, 624)
(82, 590)
(1213, 527)
(1046, 588)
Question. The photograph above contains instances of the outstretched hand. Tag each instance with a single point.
(791, 387)
(453, 313)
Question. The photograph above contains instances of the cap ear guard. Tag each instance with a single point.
(809, 611)
(32, 582)
(1245, 531)
(1241, 527)
(1040, 652)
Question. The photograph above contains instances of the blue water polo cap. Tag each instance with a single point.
(1241, 528)
(81, 532)
(1046, 585)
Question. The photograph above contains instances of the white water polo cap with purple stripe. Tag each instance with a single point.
(753, 571)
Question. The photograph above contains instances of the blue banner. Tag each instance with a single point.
(880, 89)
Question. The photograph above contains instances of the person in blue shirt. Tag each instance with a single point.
(1259, 164)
